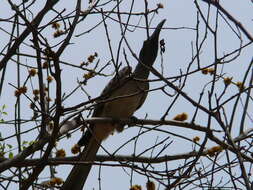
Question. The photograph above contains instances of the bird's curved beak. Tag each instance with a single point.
(149, 49)
(157, 31)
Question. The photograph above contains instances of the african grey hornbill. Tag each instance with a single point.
(123, 95)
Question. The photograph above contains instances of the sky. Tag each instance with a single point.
(178, 54)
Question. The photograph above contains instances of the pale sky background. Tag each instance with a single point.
(179, 13)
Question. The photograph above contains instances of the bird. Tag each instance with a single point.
(124, 94)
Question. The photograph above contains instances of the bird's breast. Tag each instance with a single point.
(124, 101)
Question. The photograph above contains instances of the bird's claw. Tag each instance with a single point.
(133, 120)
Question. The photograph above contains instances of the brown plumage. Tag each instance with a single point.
(120, 99)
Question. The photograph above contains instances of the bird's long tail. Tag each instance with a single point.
(85, 139)
(80, 172)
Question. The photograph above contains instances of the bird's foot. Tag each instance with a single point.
(120, 128)
(133, 120)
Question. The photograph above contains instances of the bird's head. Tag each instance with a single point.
(149, 49)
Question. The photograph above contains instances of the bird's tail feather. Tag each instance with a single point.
(80, 172)
(84, 140)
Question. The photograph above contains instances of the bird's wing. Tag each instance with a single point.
(115, 83)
